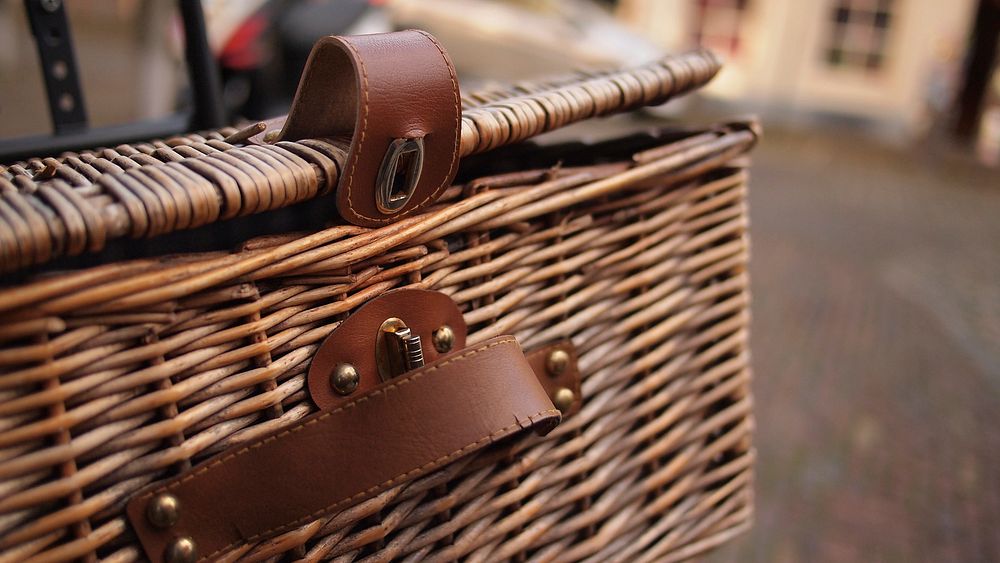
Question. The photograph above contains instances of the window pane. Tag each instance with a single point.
(856, 33)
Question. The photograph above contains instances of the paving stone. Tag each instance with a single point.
(876, 347)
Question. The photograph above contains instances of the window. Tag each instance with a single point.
(858, 31)
(718, 24)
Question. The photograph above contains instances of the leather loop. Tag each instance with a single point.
(376, 90)
(403, 429)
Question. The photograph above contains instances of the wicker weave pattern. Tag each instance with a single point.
(493, 119)
(76, 203)
(51, 207)
(114, 377)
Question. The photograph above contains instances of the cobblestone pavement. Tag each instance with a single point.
(876, 345)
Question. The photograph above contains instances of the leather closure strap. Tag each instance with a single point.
(400, 430)
(396, 97)
(555, 366)
(353, 342)
(437, 321)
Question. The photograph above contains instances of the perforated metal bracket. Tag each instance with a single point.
(54, 42)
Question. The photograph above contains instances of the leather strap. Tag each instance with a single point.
(375, 90)
(399, 431)
(425, 312)
(559, 376)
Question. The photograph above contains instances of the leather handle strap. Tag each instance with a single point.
(399, 431)
(396, 97)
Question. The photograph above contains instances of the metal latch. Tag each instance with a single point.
(397, 349)
(399, 174)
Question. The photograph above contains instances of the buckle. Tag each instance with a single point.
(398, 175)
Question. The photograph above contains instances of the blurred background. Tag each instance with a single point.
(875, 204)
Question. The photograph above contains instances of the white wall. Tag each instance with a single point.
(782, 64)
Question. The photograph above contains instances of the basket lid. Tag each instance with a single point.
(379, 118)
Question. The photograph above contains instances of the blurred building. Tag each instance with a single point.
(897, 63)
(910, 67)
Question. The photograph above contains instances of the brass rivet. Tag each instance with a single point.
(182, 550)
(344, 379)
(163, 511)
(557, 362)
(563, 399)
(444, 339)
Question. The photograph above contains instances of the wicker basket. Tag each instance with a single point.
(116, 374)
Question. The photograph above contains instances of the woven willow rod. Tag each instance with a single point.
(51, 207)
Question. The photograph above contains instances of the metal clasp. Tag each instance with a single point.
(398, 175)
(397, 349)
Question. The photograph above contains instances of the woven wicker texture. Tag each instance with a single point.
(120, 375)
(76, 203)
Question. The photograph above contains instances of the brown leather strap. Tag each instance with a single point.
(402, 429)
(555, 366)
(375, 90)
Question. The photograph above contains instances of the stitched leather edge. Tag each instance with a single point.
(389, 482)
(382, 394)
(454, 157)
(355, 156)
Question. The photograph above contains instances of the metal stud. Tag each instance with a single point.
(563, 399)
(444, 339)
(163, 511)
(344, 379)
(557, 362)
(181, 550)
